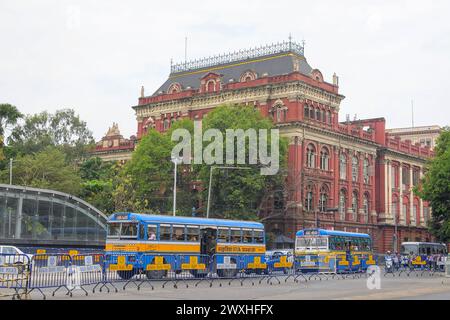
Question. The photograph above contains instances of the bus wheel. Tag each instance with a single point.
(157, 274)
(126, 275)
(227, 273)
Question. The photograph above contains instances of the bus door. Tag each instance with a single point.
(208, 241)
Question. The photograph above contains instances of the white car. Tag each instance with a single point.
(13, 255)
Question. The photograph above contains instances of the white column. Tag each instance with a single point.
(18, 232)
(400, 198)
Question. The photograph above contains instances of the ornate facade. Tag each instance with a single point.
(339, 174)
(113, 146)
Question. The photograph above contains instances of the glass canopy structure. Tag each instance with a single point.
(31, 215)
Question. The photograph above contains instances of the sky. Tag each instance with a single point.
(94, 56)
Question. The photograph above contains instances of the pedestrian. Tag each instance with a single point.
(396, 261)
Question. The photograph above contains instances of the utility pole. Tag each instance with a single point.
(210, 182)
(10, 170)
(175, 160)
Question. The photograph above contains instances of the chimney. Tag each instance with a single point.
(335, 80)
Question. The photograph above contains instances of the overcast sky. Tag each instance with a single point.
(95, 56)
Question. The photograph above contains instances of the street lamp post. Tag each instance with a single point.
(176, 161)
(10, 170)
(210, 182)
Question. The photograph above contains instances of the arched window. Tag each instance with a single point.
(394, 210)
(366, 171)
(309, 199)
(324, 159)
(342, 203)
(355, 169)
(174, 88)
(328, 117)
(355, 203)
(322, 116)
(343, 167)
(366, 207)
(318, 115)
(310, 156)
(211, 87)
(278, 110)
(311, 112)
(166, 124)
(247, 76)
(405, 210)
(323, 200)
(306, 111)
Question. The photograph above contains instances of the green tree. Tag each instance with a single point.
(146, 183)
(435, 187)
(236, 194)
(47, 169)
(63, 129)
(9, 115)
(98, 179)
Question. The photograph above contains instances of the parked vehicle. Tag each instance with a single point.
(388, 264)
(13, 256)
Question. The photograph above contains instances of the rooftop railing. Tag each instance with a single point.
(275, 48)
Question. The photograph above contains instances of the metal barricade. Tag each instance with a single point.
(118, 267)
(14, 274)
(156, 267)
(86, 269)
(50, 271)
(327, 266)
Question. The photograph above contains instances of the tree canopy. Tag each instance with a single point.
(236, 194)
(435, 187)
(63, 129)
(47, 169)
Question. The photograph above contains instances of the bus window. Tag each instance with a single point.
(164, 232)
(193, 233)
(223, 235)
(113, 230)
(129, 230)
(235, 235)
(258, 236)
(178, 233)
(247, 235)
(151, 232)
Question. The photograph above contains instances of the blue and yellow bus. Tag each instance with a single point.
(419, 251)
(348, 251)
(174, 243)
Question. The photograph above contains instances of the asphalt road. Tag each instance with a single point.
(342, 289)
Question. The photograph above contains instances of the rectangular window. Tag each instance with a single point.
(258, 236)
(415, 177)
(223, 235)
(405, 176)
(235, 235)
(247, 235)
(178, 233)
(164, 232)
(193, 233)
(113, 230)
(129, 230)
(151, 232)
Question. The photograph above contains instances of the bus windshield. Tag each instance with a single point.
(118, 230)
(311, 243)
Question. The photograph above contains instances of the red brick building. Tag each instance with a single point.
(354, 168)
(113, 146)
